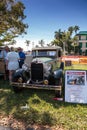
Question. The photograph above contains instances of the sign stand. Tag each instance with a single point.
(75, 86)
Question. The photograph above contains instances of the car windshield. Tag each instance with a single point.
(44, 53)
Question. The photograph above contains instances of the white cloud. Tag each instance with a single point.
(21, 43)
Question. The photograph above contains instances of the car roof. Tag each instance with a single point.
(47, 48)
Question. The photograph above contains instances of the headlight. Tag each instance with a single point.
(46, 82)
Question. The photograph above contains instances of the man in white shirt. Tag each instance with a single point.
(12, 62)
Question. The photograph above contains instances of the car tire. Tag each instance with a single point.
(17, 89)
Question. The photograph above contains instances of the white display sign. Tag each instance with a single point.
(75, 86)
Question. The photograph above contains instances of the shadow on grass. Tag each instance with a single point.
(11, 103)
(41, 104)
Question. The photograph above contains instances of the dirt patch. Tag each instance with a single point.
(12, 124)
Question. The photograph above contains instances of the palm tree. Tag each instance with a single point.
(27, 43)
(65, 38)
(75, 44)
(41, 43)
(76, 28)
(64, 41)
(58, 34)
(70, 29)
(55, 42)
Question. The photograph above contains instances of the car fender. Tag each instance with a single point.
(18, 73)
(58, 74)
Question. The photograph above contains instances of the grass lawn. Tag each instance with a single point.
(43, 110)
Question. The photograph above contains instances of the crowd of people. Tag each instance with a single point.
(13, 59)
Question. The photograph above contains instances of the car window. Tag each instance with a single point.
(44, 53)
(52, 53)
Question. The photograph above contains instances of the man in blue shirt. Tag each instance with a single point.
(22, 57)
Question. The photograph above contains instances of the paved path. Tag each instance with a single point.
(8, 128)
(5, 128)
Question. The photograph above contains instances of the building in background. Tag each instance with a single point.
(82, 42)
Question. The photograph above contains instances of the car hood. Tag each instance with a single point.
(43, 59)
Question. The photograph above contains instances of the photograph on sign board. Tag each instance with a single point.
(75, 80)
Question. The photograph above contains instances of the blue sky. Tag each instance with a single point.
(44, 17)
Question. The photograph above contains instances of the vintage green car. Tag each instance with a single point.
(44, 71)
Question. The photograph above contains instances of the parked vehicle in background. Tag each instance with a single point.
(45, 71)
(2, 64)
